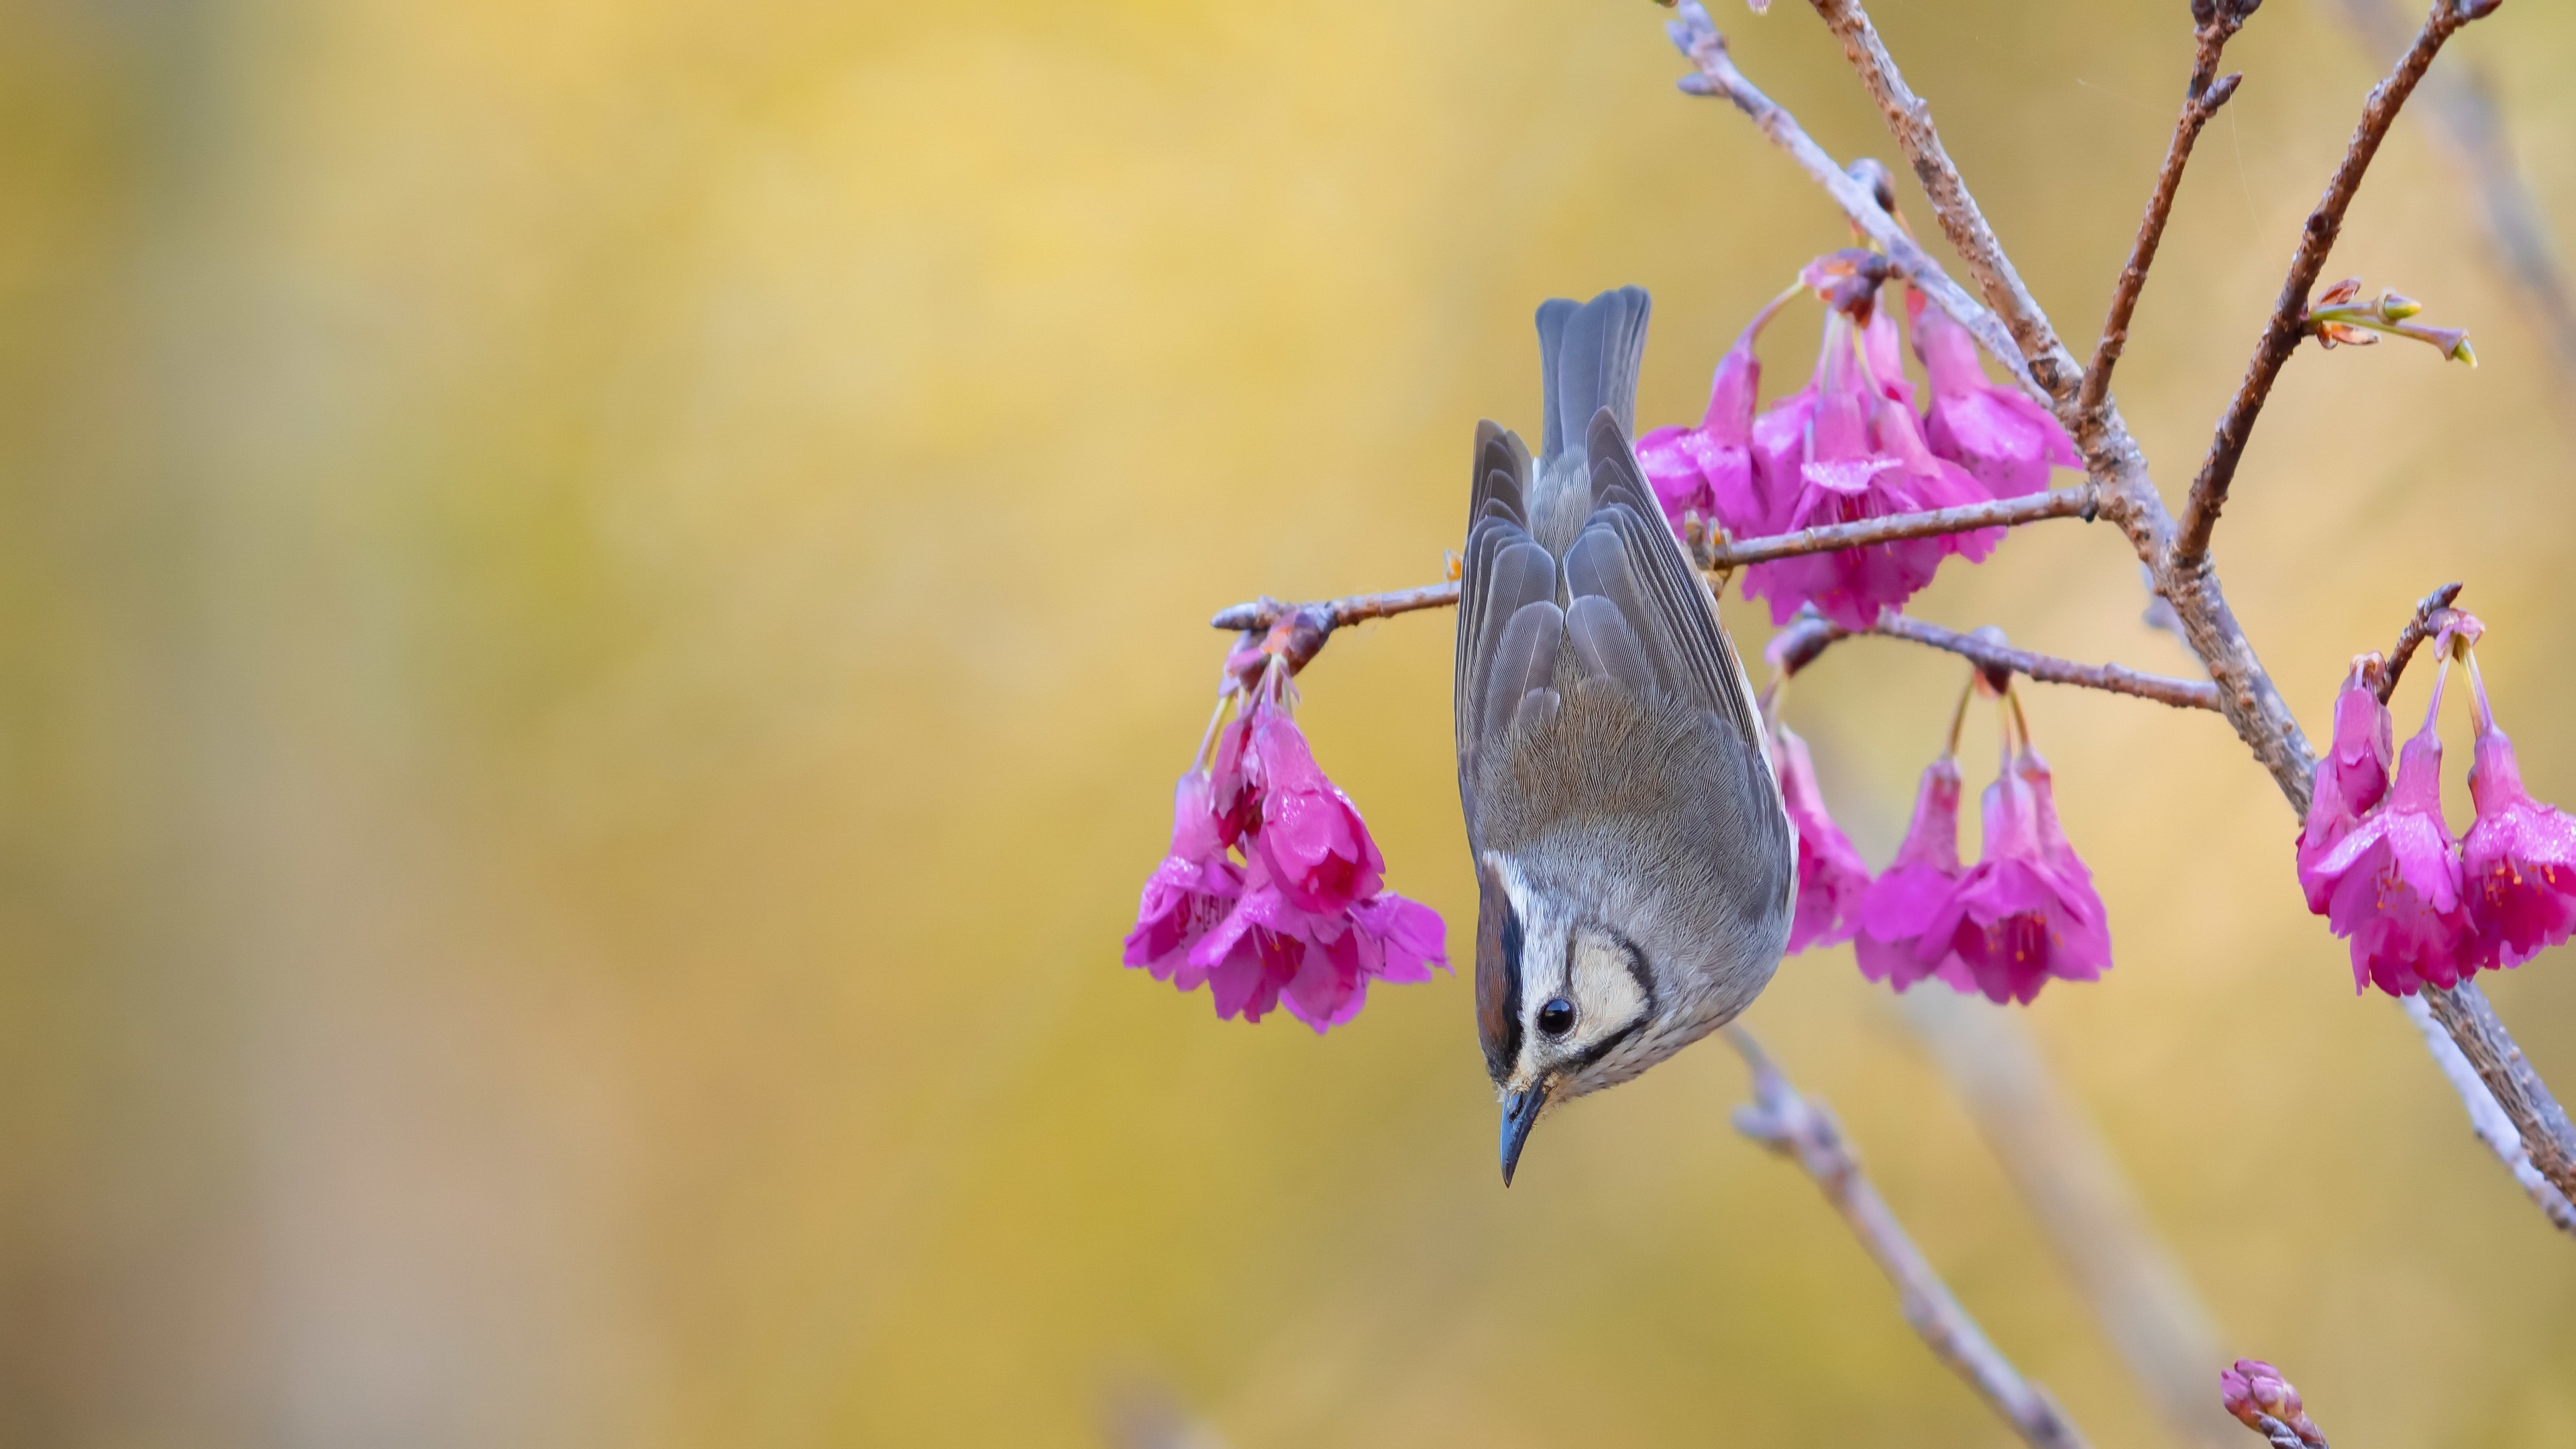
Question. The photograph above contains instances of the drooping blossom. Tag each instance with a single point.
(1831, 874)
(1901, 903)
(2253, 1390)
(1709, 468)
(1839, 452)
(2015, 919)
(2518, 862)
(1271, 893)
(2007, 440)
(1311, 838)
(2350, 780)
(2054, 847)
(1884, 351)
(1269, 952)
(1188, 894)
(2391, 885)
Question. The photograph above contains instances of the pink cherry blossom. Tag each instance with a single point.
(2518, 863)
(1831, 875)
(1902, 902)
(1268, 953)
(2014, 918)
(2350, 780)
(2004, 438)
(1710, 467)
(1311, 837)
(1188, 894)
(1300, 919)
(2392, 884)
(1838, 453)
(1879, 345)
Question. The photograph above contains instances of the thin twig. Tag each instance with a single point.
(2487, 1117)
(2112, 457)
(2202, 100)
(2539, 1122)
(2464, 103)
(2246, 693)
(1697, 37)
(2289, 320)
(1910, 119)
(2002, 513)
(2055, 1155)
(1826, 538)
(1805, 1132)
(1810, 634)
(1993, 653)
(2426, 623)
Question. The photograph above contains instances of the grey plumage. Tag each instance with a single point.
(1635, 863)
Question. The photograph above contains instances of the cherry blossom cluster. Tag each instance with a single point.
(1271, 893)
(1850, 446)
(2376, 859)
(2025, 914)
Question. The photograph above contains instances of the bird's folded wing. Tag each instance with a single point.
(1509, 624)
(1638, 612)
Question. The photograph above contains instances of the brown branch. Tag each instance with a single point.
(1991, 652)
(1825, 538)
(2002, 513)
(2246, 694)
(2054, 1153)
(1810, 634)
(1910, 119)
(2427, 622)
(2465, 105)
(1263, 612)
(2487, 1117)
(1805, 1132)
(2289, 321)
(2200, 102)
(2548, 1139)
(1697, 37)
(2118, 468)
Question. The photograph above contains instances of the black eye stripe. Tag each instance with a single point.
(1512, 944)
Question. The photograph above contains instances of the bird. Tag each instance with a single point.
(1636, 868)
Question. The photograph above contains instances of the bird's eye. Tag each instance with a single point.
(1557, 1017)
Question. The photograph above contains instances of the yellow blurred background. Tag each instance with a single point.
(599, 601)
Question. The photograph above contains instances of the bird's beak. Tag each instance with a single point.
(1520, 1114)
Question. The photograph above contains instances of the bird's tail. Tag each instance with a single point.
(1588, 354)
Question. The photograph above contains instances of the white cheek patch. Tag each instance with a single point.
(1606, 994)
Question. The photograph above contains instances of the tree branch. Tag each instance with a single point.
(2118, 468)
(2487, 1117)
(2289, 321)
(2075, 1187)
(1910, 119)
(2465, 105)
(1810, 634)
(2002, 513)
(1806, 1133)
(2426, 623)
(1827, 538)
(2200, 102)
(1697, 37)
(2547, 1138)
(2246, 694)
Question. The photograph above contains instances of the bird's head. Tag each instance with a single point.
(1565, 1001)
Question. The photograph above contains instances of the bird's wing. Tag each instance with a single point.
(1509, 623)
(1638, 613)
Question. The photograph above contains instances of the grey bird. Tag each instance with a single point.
(1635, 864)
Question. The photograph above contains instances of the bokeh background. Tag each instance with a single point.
(598, 602)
